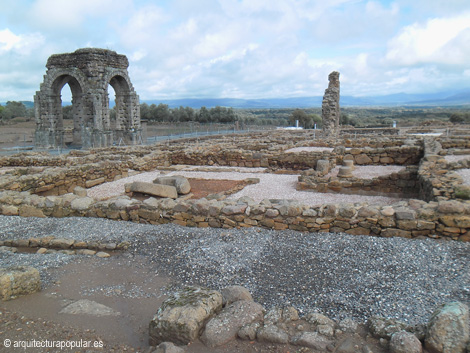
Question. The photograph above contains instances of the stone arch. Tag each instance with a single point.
(88, 72)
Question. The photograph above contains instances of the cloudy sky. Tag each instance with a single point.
(245, 48)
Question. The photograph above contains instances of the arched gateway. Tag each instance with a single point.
(88, 72)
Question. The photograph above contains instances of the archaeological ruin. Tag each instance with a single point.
(88, 72)
(330, 106)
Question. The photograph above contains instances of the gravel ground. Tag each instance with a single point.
(455, 158)
(369, 172)
(465, 174)
(337, 274)
(271, 186)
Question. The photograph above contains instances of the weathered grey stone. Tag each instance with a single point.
(8, 249)
(405, 342)
(88, 307)
(235, 293)
(312, 340)
(79, 191)
(154, 189)
(325, 330)
(362, 159)
(18, 281)
(348, 325)
(448, 329)
(82, 203)
(323, 166)
(345, 172)
(384, 328)
(60, 243)
(272, 334)
(330, 106)
(183, 315)
(88, 72)
(225, 326)
(179, 182)
(248, 332)
(351, 345)
(168, 347)
(319, 319)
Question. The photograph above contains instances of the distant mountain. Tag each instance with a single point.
(448, 98)
(398, 99)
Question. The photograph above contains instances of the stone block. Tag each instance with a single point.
(225, 326)
(179, 182)
(183, 315)
(448, 329)
(232, 294)
(154, 189)
(18, 281)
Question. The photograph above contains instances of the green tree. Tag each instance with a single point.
(14, 110)
(457, 118)
(67, 112)
(305, 120)
(203, 116)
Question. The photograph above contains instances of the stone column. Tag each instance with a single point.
(330, 106)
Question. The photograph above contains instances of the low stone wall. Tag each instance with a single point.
(60, 180)
(413, 218)
(404, 182)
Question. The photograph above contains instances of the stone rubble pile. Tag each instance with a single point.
(217, 318)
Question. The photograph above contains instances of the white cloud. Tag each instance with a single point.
(436, 41)
(22, 43)
(71, 14)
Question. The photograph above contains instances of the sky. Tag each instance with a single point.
(245, 48)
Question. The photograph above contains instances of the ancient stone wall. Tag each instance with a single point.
(330, 106)
(88, 72)
(441, 214)
(404, 183)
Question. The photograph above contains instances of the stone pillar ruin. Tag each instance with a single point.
(88, 72)
(330, 106)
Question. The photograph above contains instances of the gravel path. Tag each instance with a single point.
(271, 186)
(337, 274)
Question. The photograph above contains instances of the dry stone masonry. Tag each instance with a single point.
(88, 72)
(36, 185)
(330, 106)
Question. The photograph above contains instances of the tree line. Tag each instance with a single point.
(162, 113)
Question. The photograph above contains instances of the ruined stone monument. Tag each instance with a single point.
(330, 106)
(88, 72)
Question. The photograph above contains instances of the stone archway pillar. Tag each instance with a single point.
(88, 71)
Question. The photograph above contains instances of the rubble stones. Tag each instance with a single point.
(235, 293)
(385, 327)
(182, 316)
(225, 326)
(312, 340)
(448, 329)
(405, 342)
(18, 281)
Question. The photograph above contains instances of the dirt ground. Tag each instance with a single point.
(125, 285)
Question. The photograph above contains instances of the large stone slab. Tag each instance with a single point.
(182, 316)
(88, 307)
(179, 182)
(154, 189)
(448, 329)
(224, 327)
(17, 281)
